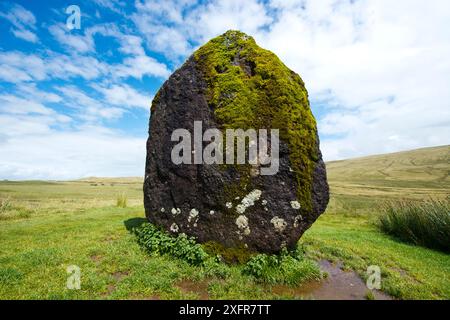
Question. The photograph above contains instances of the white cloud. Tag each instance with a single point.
(139, 66)
(88, 108)
(26, 35)
(16, 67)
(124, 96)
(78, 43)
(71, 66)
(379, 69)
(219, 16)
(381, 66)
(19, 67)
(31, 91)
(23, 22)
(53, 154)
(163, 25)
(15, 105)
(136, 63)
(174, 28)
(113, 5)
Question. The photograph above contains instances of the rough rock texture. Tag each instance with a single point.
(230, 82)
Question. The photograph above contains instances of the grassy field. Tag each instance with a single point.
(47, 226)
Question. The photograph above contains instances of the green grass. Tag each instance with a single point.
(408, 271)
(425, 223)
(122, 201)
(9, 211)
(78, 223)
(287, 268)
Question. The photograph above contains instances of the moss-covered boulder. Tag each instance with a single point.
(232, 83)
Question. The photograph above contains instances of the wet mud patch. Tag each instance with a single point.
(339, 285)
(191, 287)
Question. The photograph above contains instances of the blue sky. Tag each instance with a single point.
(75, 103)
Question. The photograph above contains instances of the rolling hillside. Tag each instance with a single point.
(359, 184)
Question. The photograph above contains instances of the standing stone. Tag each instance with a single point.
(231, 82)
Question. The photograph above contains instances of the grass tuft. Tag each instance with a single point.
(424, 223)
(9, 276)
(5, 205)
(9, 211)
(122, 201)
(287, 268)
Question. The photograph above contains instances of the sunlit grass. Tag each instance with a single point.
(424, 223)
(122, 201)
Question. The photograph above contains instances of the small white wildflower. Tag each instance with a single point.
(211, 212)
(229, 205)
(162, 209)
(264, 202)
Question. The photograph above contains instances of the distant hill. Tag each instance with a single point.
(122, 180)
(413, 173)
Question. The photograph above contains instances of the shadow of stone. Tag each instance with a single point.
(134, 223)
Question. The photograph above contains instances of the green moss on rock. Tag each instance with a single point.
(239, 254)
(249, 87)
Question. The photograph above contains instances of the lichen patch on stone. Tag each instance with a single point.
(174, 227)
(279, 224)
(297, 219)
(242, 223)
(193, 216)
(248, 201)
(295, 205)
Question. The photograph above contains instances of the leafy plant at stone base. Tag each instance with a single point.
(425, 223)
(158, 242)
(290, 268)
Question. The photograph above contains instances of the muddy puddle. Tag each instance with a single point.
(339, 285)
(198, 288)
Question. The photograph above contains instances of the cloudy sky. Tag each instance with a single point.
(75, 103)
